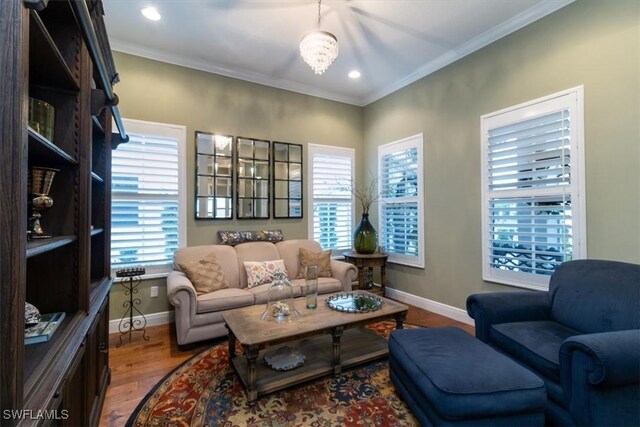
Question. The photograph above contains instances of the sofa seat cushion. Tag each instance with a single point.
(261, 293)
(461, 377)
(224, 299)
(328, 285)
(537, 344)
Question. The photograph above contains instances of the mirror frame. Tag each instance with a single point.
(211, 193)
(288, 162)
(253, 159)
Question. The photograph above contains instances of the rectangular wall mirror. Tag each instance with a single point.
(253, 158)
(214, 176)
(287, 180)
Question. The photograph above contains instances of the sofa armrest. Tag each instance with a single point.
(178, 283)
(504, 307)
(612, 358)
(344, 272)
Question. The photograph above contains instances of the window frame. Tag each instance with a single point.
(409, 142)
(573, 100)
(179, 133)
(328, 150)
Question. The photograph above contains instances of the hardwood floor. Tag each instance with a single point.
(139, 365)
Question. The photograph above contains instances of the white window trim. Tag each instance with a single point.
(577, 187)
(179, 133)
(403, 144)
(327, 150)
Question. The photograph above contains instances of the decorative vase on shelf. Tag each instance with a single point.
(365, 238)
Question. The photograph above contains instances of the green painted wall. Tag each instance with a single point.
(590, 43)
(160, 92)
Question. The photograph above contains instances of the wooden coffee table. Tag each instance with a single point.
(329, 339)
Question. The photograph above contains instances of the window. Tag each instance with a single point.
(533, 203)
(401, 201)
(330, 199)
(148, 198)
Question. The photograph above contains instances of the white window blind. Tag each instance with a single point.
(401, 202)
(331, 200)
(531, 190)
(145, 209)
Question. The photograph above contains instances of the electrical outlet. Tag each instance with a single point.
(154, 292)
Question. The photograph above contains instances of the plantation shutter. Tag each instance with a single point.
(530, 193)
(332, 200)
(400, 205)
(144, 202)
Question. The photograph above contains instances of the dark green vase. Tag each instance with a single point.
(365, 238)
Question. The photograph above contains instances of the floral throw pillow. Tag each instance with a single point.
(259, 273)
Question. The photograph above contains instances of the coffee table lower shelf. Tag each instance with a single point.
(357, 346)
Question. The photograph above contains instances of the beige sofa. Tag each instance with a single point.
(200, 317)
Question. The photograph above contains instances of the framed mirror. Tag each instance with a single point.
(214, 176)
(287, 180)
(252, 178)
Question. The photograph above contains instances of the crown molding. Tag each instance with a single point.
(519, 21)
(157, 55)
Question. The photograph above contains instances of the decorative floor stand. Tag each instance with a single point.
(132, 277)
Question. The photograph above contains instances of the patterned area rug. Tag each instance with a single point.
(205, 391)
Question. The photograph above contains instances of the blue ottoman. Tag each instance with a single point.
(449, 378)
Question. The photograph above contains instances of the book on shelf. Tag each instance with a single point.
(43, 331)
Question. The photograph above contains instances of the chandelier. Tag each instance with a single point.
(319, 48)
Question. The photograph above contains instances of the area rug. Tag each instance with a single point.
(205, 391)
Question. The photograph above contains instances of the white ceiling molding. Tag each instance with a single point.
(157, 55)
(527, 17)
(507, 27)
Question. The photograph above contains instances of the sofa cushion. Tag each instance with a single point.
(224, 299)
(328, 285)
(206, 275)
(260, 272)
(289, 251)
(253, 251)
(596, 296)
(321, 259)
(261, 294)
(462, 377)
(537, 344)
(225, 256)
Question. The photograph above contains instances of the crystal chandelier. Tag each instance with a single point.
(319, 48)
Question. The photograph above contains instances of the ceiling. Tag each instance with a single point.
(391, 42)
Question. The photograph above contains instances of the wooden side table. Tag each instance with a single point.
(364, 261)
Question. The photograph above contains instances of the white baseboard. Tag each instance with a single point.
(153, 319)
(433, 306)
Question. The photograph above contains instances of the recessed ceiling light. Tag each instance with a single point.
(354, 74)
(151, 13)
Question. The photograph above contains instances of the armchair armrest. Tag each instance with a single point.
(178, 283)
(504, 307)
(612, 358)
(344, 272)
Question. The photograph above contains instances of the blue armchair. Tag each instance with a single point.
(582, 337)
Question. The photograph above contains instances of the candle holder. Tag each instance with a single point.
(132, 277)
(40, 180)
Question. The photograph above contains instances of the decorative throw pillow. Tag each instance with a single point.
(235, 237)
(321, 259)
(206, 274)
(263, 272)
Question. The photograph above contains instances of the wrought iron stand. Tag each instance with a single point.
(132, 277)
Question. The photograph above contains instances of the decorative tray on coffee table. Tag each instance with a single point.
(285, 358)
(354, 303)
